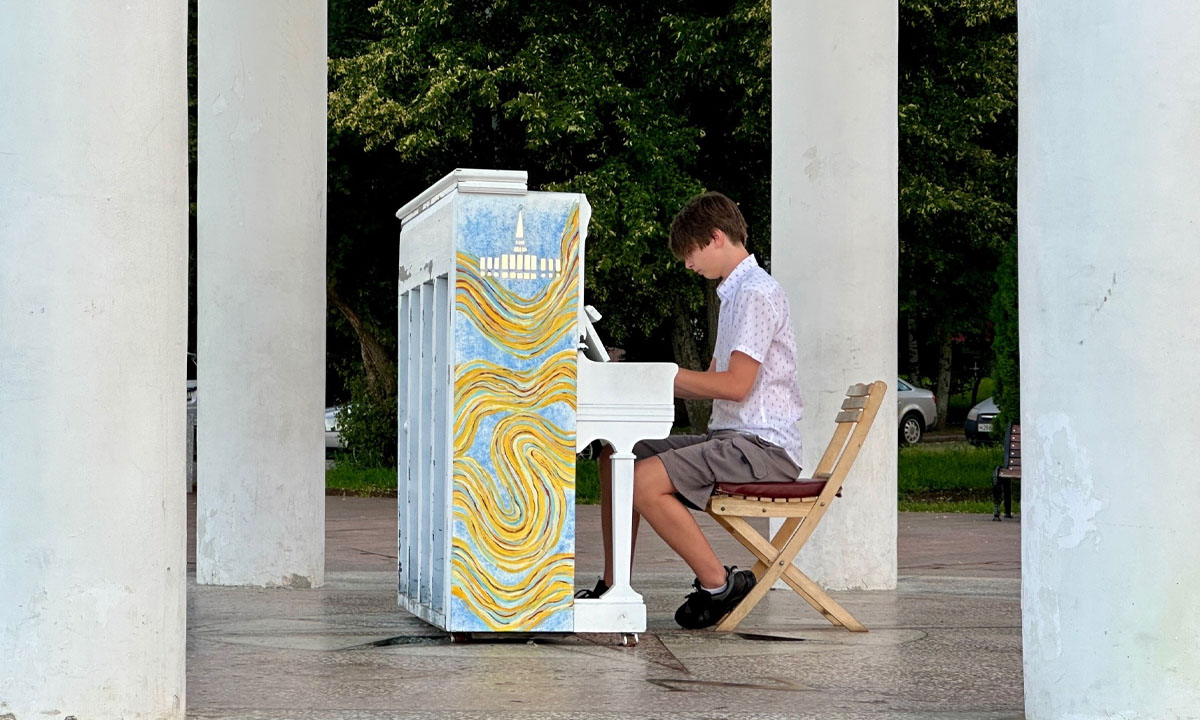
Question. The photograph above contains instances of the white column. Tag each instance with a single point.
(261, 293)
(1109, 227)
(834, 248)
(93, 335)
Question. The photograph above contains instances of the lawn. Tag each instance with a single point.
(948, 477)
(343, 477)
(932, 477)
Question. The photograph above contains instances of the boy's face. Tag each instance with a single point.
(706, 261)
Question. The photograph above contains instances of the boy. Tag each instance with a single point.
(756, 403)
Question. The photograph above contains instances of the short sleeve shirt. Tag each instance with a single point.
(755, 319)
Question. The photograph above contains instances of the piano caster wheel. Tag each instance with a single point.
(629, 639)
(460, 638)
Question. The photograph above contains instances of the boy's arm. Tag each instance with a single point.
(732, 384)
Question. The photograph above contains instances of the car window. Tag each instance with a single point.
(901, 385)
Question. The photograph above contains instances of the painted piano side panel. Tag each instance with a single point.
(514, 333)
(423, 463)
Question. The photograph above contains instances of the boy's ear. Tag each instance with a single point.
(717, 237)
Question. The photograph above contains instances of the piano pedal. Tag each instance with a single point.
(629, 639)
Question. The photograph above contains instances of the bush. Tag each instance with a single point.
(367, 424)
(1006, 345)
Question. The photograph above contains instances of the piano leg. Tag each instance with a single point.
(622, 511)
(621, 609)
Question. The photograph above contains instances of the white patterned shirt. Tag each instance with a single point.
(755, 320)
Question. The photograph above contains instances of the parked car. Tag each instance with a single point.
(917, 411)
(980, 419)
(333, 438)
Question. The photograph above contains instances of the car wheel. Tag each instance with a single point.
(911, 429)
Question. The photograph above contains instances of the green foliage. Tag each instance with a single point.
(957, 177)
(587, 482)
(637, 105)
(367, 425)
(1006, 344)
(347, 477)
(946, 469)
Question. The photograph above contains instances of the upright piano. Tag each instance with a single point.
(502, 380)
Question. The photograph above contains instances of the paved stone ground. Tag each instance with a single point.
(945, 644)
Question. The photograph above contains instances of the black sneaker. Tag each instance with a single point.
(600, 589)
(703, 609)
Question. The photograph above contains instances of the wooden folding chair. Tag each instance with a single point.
(803, 503)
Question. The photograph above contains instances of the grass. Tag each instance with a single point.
(948, 477)
(343, 477)
(348, 479)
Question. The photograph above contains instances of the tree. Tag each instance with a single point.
(957, 126)
(1007, 344)
(637, 105)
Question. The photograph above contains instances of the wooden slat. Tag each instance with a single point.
(849, 416)
(859, 390)
(854, 403)
(747, 507)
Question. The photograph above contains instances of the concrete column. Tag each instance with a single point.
(834, 247)
(261, 293)
(93, 341)
(1109, 228)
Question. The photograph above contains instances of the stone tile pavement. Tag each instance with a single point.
(945, 644)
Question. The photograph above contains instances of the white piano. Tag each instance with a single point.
(502, 380)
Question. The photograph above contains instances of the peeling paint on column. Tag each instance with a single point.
(1067, 502)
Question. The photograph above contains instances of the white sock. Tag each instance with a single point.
(716, 591)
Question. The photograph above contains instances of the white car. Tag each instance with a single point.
(917, 411)
(333, 439)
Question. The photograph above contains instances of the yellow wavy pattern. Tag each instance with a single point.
(520, 326)
(507, 568)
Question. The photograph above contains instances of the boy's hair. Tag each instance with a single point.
(693, 226)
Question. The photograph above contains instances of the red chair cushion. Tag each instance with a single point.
(775, 490)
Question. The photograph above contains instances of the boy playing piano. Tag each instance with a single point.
(756, 402)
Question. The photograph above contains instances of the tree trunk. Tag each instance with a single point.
(914, 352)
(379, 366)
(687, 355)
(943, 381)
(712, 302)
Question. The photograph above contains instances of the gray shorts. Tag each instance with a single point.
(696, 463)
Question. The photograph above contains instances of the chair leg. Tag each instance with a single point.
(996, 495)
(776, 558)
(826, 605)
(746, 535)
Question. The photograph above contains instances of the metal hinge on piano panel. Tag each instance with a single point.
(491, 344)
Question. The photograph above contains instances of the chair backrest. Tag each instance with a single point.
(1012, 449)
(1010, 466)
(853, 423)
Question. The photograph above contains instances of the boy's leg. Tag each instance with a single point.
(605, 467)
(654, 498)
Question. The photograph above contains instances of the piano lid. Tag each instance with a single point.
(503, 182)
